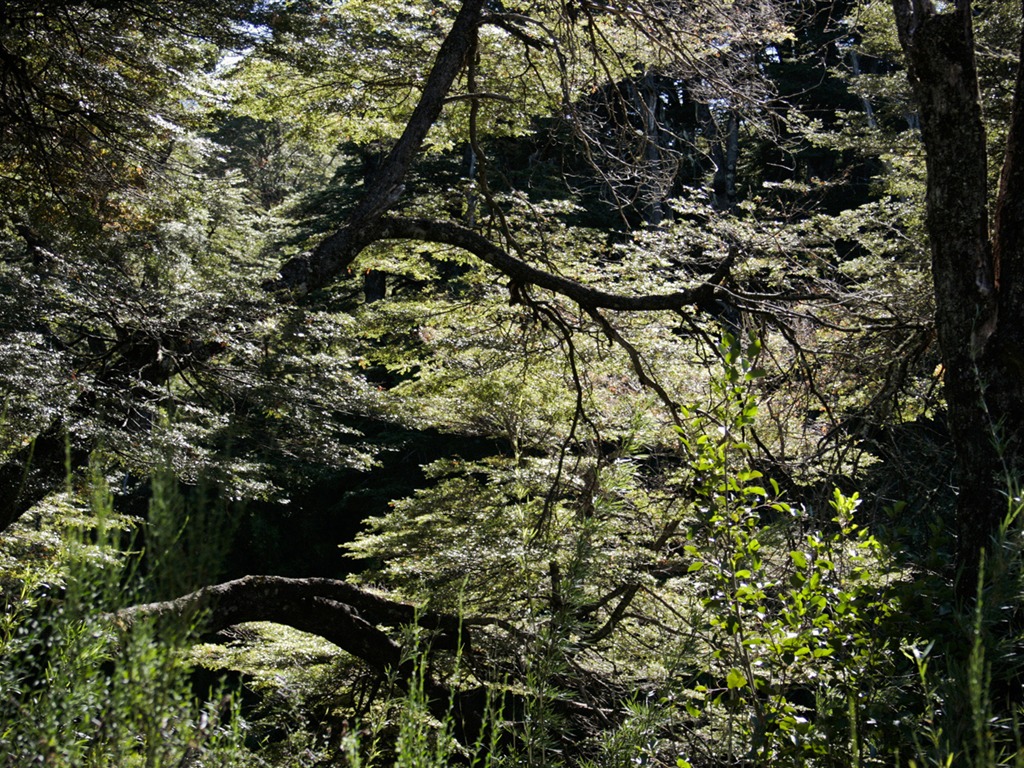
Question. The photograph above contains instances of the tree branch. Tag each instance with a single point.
(344, 615)
(448, 233)
(312, 271)
(335, 610)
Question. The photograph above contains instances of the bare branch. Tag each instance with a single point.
(335, 610)
(521, 273)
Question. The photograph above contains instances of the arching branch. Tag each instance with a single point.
(331, 258)
(335, 610)
(345, 615)
(449, 233)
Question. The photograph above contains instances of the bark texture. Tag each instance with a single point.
(976, 270)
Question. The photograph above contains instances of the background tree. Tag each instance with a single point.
(534, 294)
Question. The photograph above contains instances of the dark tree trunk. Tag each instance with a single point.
(375, 286)
(976, 271)
(725, 153)
(35, 471)
(333, 255)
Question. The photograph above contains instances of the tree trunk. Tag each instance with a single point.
(35, 471)
(976, 272)
(311, 272)
(344, 615)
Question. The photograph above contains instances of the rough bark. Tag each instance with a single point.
(977, 273)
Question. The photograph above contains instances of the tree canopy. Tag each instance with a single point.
(600, 382)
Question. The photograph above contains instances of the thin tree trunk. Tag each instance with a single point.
(725, 153)
(869, 110)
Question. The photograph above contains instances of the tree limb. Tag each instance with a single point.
(449, 233)
(343, 614)
(330, 259)
(335, 610)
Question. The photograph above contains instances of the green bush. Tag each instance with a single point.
(79, 687)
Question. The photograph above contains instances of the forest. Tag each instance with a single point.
(584, 383)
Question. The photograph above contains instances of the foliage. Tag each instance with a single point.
(800, 661)
(77, 688)
(691, 535)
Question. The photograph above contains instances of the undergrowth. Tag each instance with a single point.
(808, 643)
(78, 688)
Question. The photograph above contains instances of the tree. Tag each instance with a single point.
(977, 266)
(603, 521)
(135, 358)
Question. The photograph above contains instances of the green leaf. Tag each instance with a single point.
(799, 558)
(735, 679)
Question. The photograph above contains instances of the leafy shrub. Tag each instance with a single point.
(80, 688)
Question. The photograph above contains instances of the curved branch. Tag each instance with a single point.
(521, 273)
(335, 610)
(509, 23)
(342, 614)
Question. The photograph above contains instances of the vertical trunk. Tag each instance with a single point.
(732, 157)
(941, 62)
(869, 110)
(725, 153)
(654, 189)
(375, 286)
(1008, 256)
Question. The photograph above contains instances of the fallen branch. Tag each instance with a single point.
(339, 612)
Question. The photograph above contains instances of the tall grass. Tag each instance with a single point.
(80, 689)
